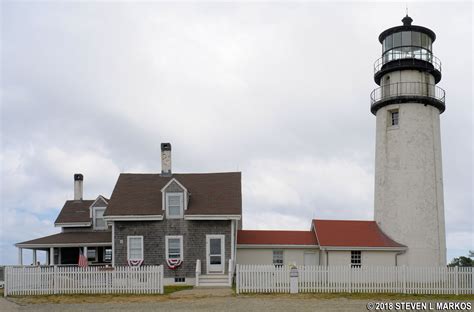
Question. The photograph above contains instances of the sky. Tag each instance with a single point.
(276, 90)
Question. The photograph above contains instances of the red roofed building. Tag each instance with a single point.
(329, 242)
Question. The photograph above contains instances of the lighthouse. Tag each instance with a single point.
(408, 203)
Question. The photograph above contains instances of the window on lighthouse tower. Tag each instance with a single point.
(394, 117)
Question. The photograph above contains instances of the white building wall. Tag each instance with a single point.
(408, 178)
(337, 257)
(265, 255)
(378, 258)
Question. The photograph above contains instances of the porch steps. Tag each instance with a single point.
(214, 280)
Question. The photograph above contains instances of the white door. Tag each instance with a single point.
(215, 253)
(310, 258)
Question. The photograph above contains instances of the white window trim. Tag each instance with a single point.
(180, 237)
(163, 191)
(181, 212)
(128, 247)
(282, 256)
(94, 211)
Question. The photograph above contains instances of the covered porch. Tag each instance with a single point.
(64, 248)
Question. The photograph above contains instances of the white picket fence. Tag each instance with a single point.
(401, 279)
(35, 280)
(262, 279)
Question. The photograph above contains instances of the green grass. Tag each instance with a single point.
(171, 289)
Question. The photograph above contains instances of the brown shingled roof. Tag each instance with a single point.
(211, 193)
(348, 233)
(67, 238)
(264, 237)
(75, 211)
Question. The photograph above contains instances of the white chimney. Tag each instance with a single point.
(166, 159)
(78, 178)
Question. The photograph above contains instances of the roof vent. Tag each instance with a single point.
(407, 20)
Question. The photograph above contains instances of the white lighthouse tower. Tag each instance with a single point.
(408, 171)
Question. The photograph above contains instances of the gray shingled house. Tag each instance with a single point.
(183, 221)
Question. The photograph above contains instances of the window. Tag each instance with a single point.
(406, 38)
(107, 254)
(416, 38)
(394, 117)
(356, 259)
(91, 254)
(397, 39)
(278, 257)
(388, 43)
(174, 247)
(174, 205)
(99, 222)
(179, 279)
(135, 247)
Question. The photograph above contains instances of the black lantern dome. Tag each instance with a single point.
(407, 47)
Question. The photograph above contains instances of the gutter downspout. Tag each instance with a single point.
(398, 254)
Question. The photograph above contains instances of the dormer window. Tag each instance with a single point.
(99, 221)
(174, 205)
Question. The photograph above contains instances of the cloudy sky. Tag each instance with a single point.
(279, 91)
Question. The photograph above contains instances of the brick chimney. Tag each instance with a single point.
(78, 178)
(166, 159)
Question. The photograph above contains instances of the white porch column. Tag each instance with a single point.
(51, 256)
(20, 256)
(34, 257)
(85, 253)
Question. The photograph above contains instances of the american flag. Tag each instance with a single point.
(82, 259)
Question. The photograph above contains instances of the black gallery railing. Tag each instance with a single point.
(422, 55)
(407, 89)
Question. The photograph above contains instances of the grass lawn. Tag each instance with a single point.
(99, 298)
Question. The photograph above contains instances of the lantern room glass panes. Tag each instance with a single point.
(397, 39)
(407, 44)
(416, 39)
(406, 38)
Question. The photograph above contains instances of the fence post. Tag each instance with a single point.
(55, 282)
(456, 281)
(5, 286)
(162, 275)
(237, 278)
(472, 281)
(350, 280)
(404, 273)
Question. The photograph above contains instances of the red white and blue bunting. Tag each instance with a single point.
(135, 262)
(173, 264)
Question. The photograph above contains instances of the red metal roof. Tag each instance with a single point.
(348, 233)
(255, 237)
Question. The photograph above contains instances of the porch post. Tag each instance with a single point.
(34, 257)
(85, 253)
(51, 256)
(20, 256)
